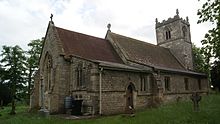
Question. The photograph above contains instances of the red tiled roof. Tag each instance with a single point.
(145, 53)
(86, 46)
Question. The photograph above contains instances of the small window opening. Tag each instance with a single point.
(167, 83)
(168, 35)
(186, 81)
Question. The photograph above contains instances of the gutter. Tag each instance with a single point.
(100, 91)
(169, 70)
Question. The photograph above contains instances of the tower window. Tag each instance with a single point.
(184, 31)
(168, 34)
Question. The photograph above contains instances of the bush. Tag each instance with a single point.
(5, 94)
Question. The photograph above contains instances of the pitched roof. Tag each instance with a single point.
(145, 53)
(118, 66)
(86, 46)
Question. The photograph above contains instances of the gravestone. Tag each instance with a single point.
(196, 98)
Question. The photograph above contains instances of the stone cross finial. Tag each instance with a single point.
(109, 27)
(177, 12)
(51, 17)
(156, 20)
(187, 18)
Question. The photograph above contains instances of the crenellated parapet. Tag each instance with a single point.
(171, 20)
(174, 34)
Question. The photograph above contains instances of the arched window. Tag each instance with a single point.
(80, 74)
(167, 83)
(184, 31)
(144, 83)
(167, 33)
(47, 71)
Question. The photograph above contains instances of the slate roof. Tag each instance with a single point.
(94, 48)
(86, 46)
(145, 53)
(118, 66)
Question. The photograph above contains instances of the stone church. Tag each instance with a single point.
(114, 74)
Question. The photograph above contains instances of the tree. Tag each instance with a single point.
(2, 73)
(13, 60)
(210, 12)
(5, 95)
(199, 60)
(215, 75)
(33, 61)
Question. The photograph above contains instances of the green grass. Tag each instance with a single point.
(174, 113)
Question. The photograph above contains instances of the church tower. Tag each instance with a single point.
(174, 33)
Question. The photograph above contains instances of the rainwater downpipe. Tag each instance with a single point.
(100, 91)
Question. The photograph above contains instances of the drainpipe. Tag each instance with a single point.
(100, 90)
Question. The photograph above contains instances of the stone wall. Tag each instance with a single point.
(114, 86)
(88, 92)
(114, 80)
(143, 101)
(182, 50)
(63, 84)
(113, 102)
(90, 71)
(177, 86)
(58, 74)
(180, 41)
(60, 81)
(35, 98)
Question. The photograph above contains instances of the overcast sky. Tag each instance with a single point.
(24, 20)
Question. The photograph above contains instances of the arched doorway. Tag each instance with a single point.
(130, 98)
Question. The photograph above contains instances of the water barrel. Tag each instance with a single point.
(68, 102)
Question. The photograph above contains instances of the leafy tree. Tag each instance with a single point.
(32, 61)
(13, 60)
(215, 75)
(199, 60)
(5, 95)
(210, 12)
(1, 74)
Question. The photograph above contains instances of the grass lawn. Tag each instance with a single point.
(174, 113)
